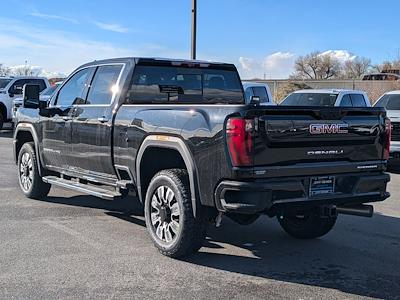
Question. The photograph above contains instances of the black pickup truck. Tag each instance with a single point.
(179, 135)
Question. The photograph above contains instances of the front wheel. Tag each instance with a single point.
(308, 225)
(169, 214)
(30, 181)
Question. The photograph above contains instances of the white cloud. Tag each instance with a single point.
(61, 51)
(276, 65)
(341, 55)
(55, 17)
(279, 64)
(246, 63)
(111, 27)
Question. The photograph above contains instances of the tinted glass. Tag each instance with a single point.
(19, 84)
(102, 87)
(358, 100)
(261, 92)
(390, 102)
(49, 91)
(16, 88)
(159, 84)
(310, 99)
(4, 82)
(40, 82)
(346, 101)
(248, 93)
(73, 91)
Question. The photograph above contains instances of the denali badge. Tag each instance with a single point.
(328, 128)
(325, 152)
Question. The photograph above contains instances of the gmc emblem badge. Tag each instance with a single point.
(328, 128)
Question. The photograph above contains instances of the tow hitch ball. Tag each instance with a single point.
(360, 210)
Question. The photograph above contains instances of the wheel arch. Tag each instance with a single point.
(166, 144)
(25, 132)
(3, 111)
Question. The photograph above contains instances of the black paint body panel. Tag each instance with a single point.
(76, 142)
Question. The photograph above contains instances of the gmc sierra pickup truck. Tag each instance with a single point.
(180, 136)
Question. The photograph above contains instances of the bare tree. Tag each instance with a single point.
(24, 71)
(317, 66)
(355, 68)
(4, 71)
(387, 65)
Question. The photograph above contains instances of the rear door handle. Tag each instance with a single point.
(103, 119)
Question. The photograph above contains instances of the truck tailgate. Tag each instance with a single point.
(289, 135)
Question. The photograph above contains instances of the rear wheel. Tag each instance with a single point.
(30, 180)
(308, 225)
(169, 214)
(1, 120)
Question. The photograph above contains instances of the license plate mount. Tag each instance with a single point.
(320, 186)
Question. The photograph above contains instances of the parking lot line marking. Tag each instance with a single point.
(73, 233)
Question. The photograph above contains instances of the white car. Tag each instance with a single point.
(260, 90)
(44, 95)
(391, 101)
(327, 97)
(10, 88)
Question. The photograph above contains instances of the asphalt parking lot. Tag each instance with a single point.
(75, 246)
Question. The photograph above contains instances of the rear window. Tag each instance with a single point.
(358, 100)
(390, 102)
(310, 99)
(261, 92)
(4, 82)
(163, 84)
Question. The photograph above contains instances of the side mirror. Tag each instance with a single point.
(11, 95)
(30, 95)
(255, 100)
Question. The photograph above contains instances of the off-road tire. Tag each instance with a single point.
(309, 226)
(37, 189)
(1, 120)
(192, 230)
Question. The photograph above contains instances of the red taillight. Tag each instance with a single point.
(239, 133)
(388, 137)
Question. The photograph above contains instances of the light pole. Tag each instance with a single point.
(194, 16)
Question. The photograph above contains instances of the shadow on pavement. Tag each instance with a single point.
(352, 261)
(358, 257)
(123, 208)
(394, 166)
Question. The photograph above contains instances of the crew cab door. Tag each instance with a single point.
(92, 124)
(57, 128)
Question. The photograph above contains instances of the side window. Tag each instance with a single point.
(17, 86)
(261, 92)
(248, 92)
(73, 92)
(39, 82)
(346, 101)
(358, 100)
(102, 87)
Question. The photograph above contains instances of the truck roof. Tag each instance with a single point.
(327, 91)
(393, 92)
(161, 61)
(22, 77)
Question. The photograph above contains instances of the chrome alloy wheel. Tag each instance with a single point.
(26, 172)
(165, 214)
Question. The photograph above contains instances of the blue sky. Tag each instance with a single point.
(261, 37)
